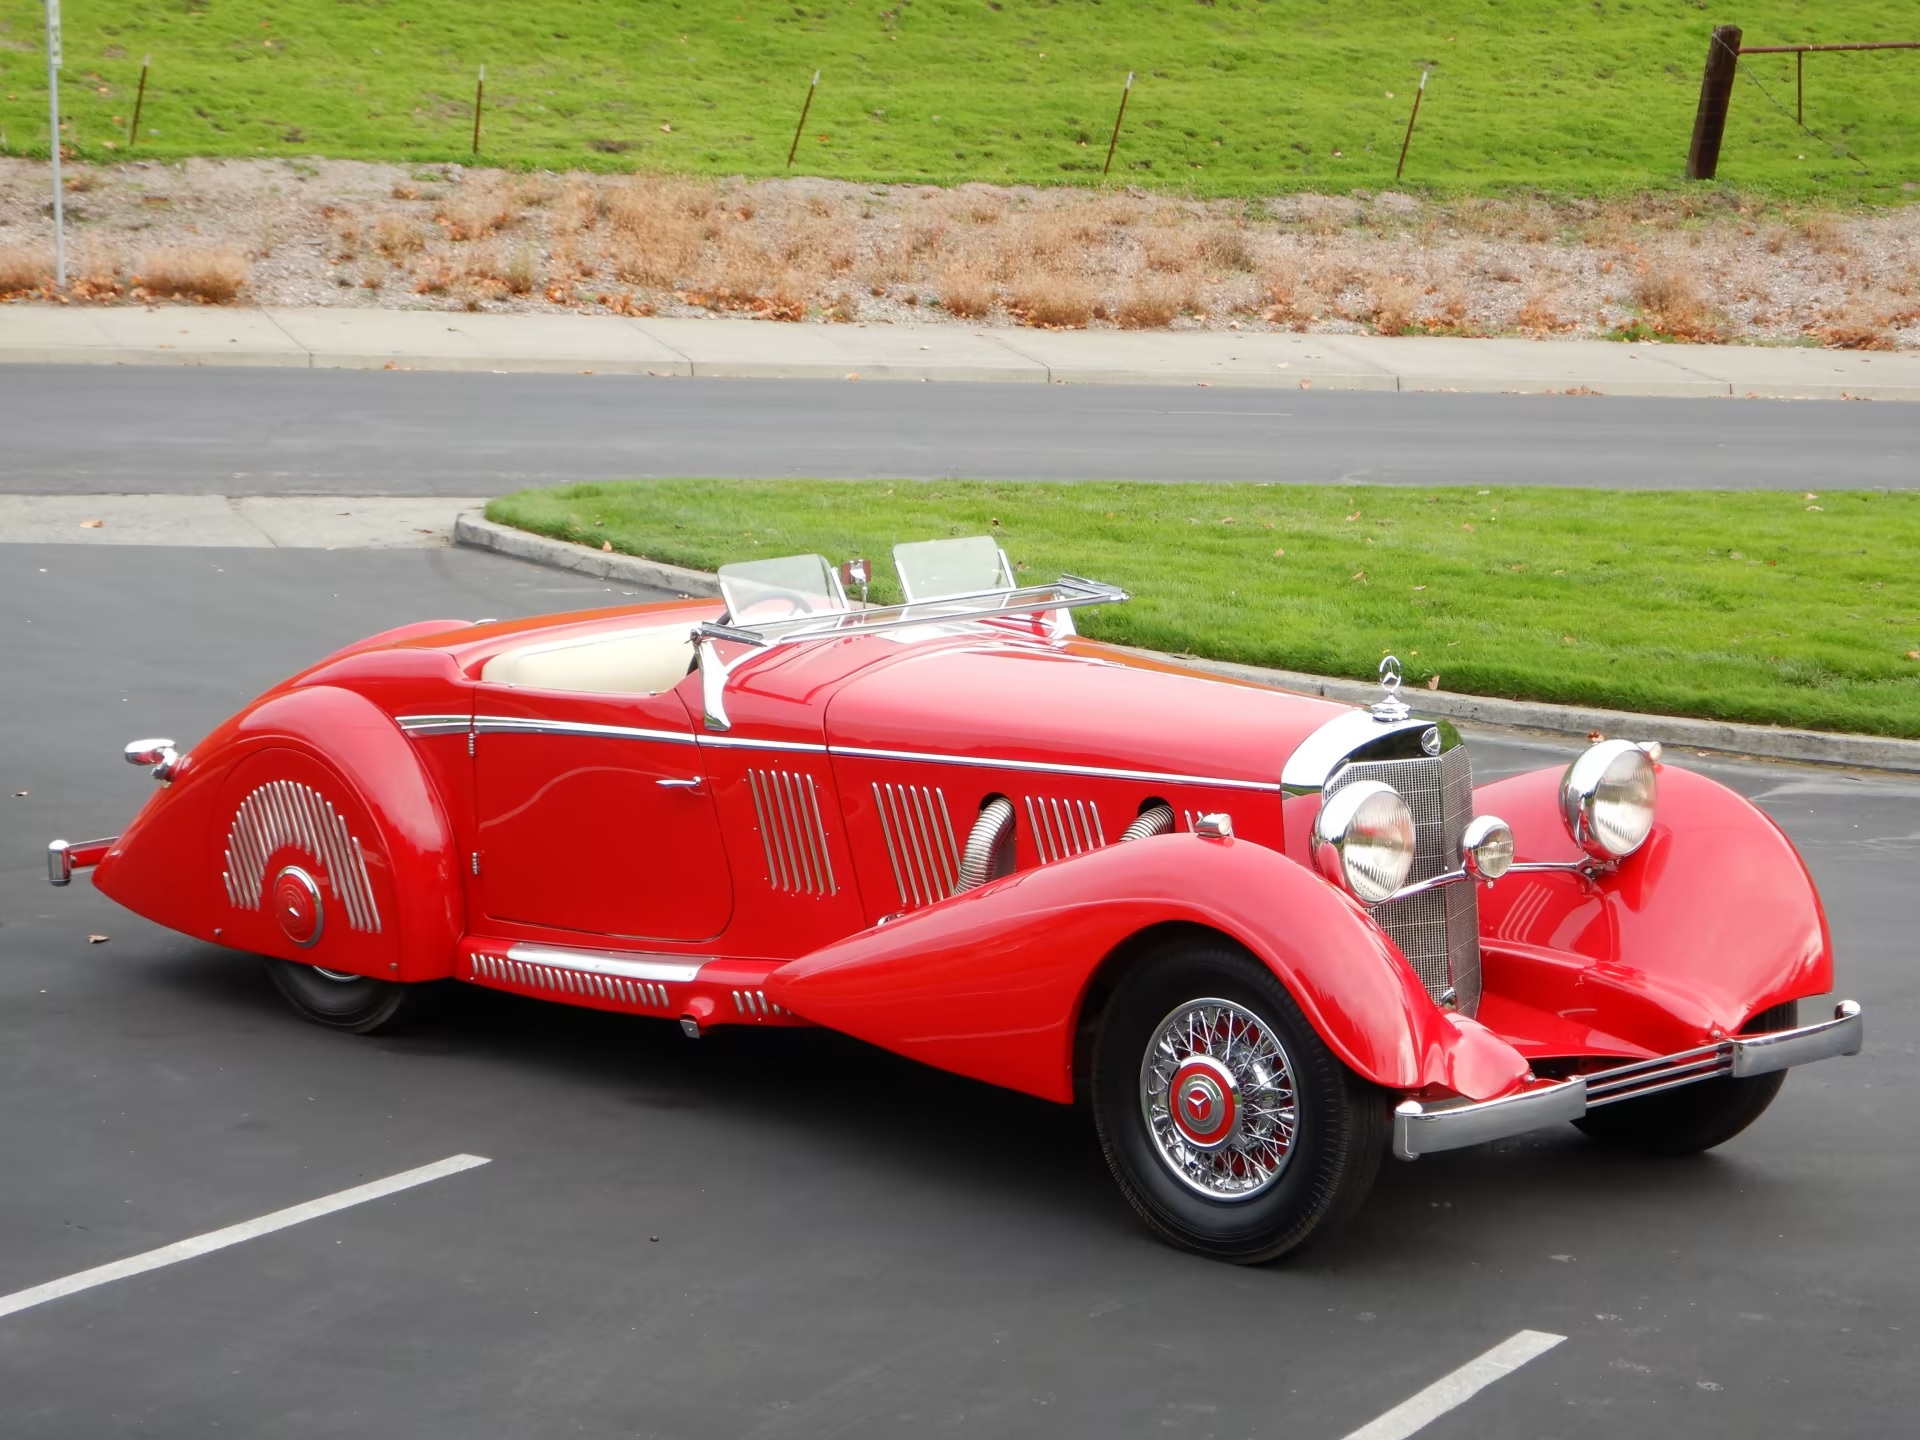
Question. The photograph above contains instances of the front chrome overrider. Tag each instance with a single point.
(1217, 1093)
(1421, 1127)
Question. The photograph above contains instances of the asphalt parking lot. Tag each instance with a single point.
(775, 1234)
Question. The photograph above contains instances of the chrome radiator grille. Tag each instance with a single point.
(1438, 932)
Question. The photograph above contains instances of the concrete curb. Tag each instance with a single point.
(324, 338)
(1814, 747)
(475, 530)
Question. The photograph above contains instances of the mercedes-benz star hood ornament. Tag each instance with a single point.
(1390, 707)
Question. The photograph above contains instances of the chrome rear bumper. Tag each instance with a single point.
(64, 857)
(1421, 1127)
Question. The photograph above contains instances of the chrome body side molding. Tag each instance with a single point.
(434, 724)
(1422, 1127)
(1048, 767)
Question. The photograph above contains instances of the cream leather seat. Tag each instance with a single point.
(625, 662)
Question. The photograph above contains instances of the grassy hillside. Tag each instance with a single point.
(1787, 609)
(1233, 96)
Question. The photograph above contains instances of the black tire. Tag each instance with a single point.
(1341, 1133)
(353, 1003)
(1694, 1117)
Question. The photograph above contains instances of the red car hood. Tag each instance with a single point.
(1086, 705)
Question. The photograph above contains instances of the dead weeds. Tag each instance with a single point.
(213, 275)
(1687, 267)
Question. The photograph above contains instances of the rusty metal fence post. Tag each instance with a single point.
(1716, 92)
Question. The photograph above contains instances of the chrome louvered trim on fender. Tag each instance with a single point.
(921, 846)
(285, 813)
(793, 836)
(1064, 827)
(755, 1003)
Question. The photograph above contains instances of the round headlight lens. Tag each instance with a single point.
(1363, 840)
(1607, 799)
(1486, 850)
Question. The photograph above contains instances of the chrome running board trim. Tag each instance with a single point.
(619, 964)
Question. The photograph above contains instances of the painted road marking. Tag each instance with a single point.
(1453, 1390)
(246, 1230)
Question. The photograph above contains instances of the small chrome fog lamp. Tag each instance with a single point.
(1607, 799)
(1363, 840)
(1486, 850)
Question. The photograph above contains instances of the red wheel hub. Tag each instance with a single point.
(296, 905)
(1205, 1102)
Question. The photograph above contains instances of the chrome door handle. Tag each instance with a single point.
(693, 784)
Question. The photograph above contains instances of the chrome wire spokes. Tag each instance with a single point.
(1217, 1092)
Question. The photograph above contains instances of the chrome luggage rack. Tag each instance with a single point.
(1069, 592)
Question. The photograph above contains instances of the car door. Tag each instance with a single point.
(594, 815)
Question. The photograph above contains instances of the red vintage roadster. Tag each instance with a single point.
(1264, 938)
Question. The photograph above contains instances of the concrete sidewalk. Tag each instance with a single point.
(224, 522)
(758, 349)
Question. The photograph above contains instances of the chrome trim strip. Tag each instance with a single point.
(1424, 1127)
(730, 742)
(518, 725)
(607, 962)
(1048, 767)
(1763, 1054)
(434, 724)
(1519, 867)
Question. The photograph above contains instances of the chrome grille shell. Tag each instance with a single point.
(1438, 931)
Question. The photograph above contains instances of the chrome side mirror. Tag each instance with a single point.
(856, 572)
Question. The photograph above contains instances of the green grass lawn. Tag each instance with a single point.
(1742, 606)
(1233, 96)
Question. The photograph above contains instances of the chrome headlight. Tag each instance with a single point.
(1607, 797)
(1363, 840)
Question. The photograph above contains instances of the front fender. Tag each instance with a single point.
(194, 858)
(1713, 920)
(989, 983)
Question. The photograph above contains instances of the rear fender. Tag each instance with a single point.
(990, 983)
(320, 779)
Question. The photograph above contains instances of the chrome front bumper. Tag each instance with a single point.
(1421, 1127)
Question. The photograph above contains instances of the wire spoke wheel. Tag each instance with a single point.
(1231, 1127)
(1217, 1091)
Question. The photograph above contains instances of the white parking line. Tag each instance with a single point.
(234, 1234)
(1459, 1387)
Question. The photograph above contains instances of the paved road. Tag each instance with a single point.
(847, 1245)
(256, 432)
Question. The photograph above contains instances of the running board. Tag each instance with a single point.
(699, 991)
